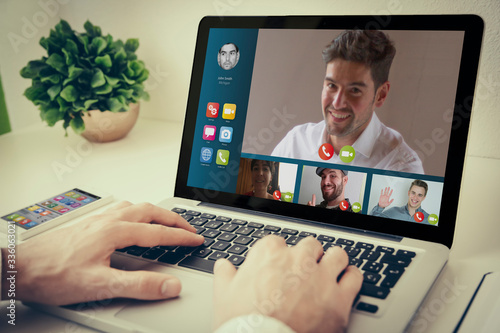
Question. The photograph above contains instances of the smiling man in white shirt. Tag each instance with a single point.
(356, 83)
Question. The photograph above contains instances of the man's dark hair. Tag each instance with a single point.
(370, 47)
(235, 46)
(419, 183)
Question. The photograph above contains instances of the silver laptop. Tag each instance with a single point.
(258, 158)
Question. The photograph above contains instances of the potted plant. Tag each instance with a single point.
(83, 72)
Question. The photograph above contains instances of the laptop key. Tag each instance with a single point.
(236, 260)
(187, 217)
(289, 231)
(211, 233)
(406, 253)
(186, 249)
(369, 289)
(396, 260)
(178, 210)
(137, 250)
(199, 230)
(218, 255)
(261, 233)
(213, 224)
(221, 245)
(324, 238)
(237, 249)
(255, 225)
(223, 219)
(198, 221)
(384, 249)
(227, 237)
(239, 222)
(198, 264)
(370, 277)
(343, 241)
(355, 262)
(306, 234)
(153, 253)
(207, 242)
(272, 228)
(202, 252)
(370, 255)
(245, 231)
(293, 240)
(193, 212)
(390, 280)
(394, 270)
(363, 245)
(371, 308)
(243, 240)
(207, 216)
(352, 251)
(373, 266)
(171, 257)
(229, 227)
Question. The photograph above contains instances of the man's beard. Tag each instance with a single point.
(333, 195)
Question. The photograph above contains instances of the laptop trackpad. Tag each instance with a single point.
(190, 312)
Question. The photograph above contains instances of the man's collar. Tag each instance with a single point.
(366, 142)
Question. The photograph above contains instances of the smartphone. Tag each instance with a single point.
(47, 214)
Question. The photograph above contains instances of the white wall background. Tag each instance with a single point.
(167, 33)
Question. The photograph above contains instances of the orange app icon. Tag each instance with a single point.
(229, 111)
(212, 110)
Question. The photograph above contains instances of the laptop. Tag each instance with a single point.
(255, 156)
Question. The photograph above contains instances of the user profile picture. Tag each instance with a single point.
(228, 56)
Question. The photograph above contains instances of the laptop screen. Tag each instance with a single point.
(347, 126)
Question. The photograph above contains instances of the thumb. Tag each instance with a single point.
(314, 200)
(143, 285)
(224, 272)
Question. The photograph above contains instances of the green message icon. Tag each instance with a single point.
(356, 207)
(433, 219)
(347, 154)
(287, 196)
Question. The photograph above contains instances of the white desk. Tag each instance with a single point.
(38, 161)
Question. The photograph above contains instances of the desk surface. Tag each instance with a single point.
(39, 161)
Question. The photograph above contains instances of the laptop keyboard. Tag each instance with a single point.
(229, 238)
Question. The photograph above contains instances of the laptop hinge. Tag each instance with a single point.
(316, 224)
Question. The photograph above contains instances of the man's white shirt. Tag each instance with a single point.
(378, 147)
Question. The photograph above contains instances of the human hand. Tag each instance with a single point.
(72, 264)
(385, 197)
(313, 201)
(289, 284)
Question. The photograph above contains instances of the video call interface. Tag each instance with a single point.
(278, 121)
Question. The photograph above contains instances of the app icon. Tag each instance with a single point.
(419, 217)
(75, 196)
(82, 197)
(356, 207)
(76, 204)
(13, 216)
(39, 210)
(64, 201)
(32, 208)
(52, 205)
(226, 134)
(212, 110)
(45, 213)
(19, 218)
(69, 194)
(64, 210)
(325, 151)
(229, 111)
(46, 203)
(69, 202)
(86, 200)
(222, 157)
(31, 224)
(25, 221)
(58, 207)
(206, 155)
(287, 196)
(209, 132)
(277, 195)
(344, 205)
(347, 154)
(433, 219)
(59, 198)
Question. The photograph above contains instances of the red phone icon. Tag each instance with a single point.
(277, 195)
(344, 205)
(325, 151)
(419, 216)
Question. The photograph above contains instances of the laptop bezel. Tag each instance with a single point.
(473, 27)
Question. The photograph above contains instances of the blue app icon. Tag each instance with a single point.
(31, 224)
(225, 134)
(65, 201)
(206, 155)
(86, 200)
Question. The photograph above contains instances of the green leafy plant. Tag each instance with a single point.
(84, 71)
